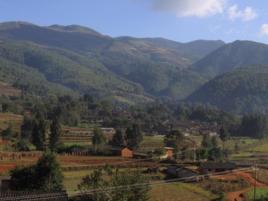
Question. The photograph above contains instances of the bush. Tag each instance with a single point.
(45, 176)
(24, 145)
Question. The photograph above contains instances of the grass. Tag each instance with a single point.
(77, 143)
(72, 179)
(152, 142)
(179, 192)
(244, 143)
(260, 193)
(261, 147)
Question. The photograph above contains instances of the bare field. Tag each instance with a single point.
(8, 90)
(180, 192)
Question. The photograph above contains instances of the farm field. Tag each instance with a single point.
(72, 179)
(261, 147)
(262, 176)
(260, 193)
(13, 120)
(8, 90)
(73, 161)
(179, 192)
(152, 142)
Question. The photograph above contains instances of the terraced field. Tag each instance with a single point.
(9, 119)
(8, 90)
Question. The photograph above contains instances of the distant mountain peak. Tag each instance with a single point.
(231, 56)
(74, 28)
(14, 24)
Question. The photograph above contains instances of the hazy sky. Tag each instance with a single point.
(181, 20)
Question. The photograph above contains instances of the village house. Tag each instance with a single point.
(181, 172)
(124, 152)
(168, 154)
(108, 131)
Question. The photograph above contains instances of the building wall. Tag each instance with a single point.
(169, 153)
(127, 153)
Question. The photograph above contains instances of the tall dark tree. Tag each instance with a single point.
(108, 178)
(214, 141)
(98, 138)
(118, 139)
(133, 136)
(174, 139)
(224, 135)
(55, 133)
(45, 176)
(27, 128)
(7, 133)
(255, 126)
(40, 129)
(48, 173)
(206, 141)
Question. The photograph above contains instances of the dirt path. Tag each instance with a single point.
(238, 195)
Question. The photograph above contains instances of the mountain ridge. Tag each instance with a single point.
(152, 65)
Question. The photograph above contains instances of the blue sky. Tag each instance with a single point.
(180, 20)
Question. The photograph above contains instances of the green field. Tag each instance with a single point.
(167, 192)
(260, 193)
(72, 179)
(261, 147)
(152, 142)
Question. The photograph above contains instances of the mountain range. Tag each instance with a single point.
(73, 59)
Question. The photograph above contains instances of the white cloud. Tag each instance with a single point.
(264, 29)
(188, 8)
(245, 15)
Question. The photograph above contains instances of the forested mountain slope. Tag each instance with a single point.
(232, 56)
(244, 90)
(81, 59)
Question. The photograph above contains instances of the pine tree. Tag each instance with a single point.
(174, 139)
(39, 133)
(133, 136)
(118, 139)
(55, 133)
(206, 141)
(27, 128)
(223, 136)
(98, 138)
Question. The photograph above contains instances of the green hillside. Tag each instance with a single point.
(83, 60)
(28, 66)
(232, 56)
(244, 90)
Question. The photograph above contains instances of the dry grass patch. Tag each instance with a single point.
(13, 120)
(180, 192)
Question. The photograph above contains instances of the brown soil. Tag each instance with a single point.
(238, 195)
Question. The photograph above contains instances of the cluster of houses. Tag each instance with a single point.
(196, 127)
(126, 152)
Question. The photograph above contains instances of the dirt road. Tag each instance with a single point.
(238, 195)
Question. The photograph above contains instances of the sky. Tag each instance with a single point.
(180, 20)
